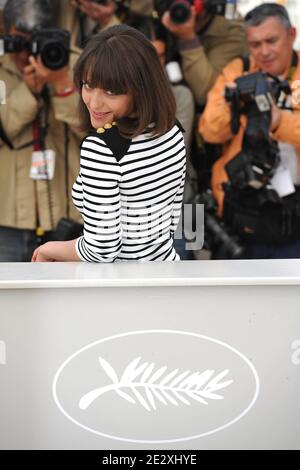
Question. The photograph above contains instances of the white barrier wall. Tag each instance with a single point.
(191, 355)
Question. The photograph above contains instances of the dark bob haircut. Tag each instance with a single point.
(122, 60)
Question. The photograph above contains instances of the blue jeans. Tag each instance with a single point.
(17, 245)
(180, 247)
(263, 251)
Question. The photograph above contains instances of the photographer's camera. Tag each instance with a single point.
(52, 45)
(253, 96)
(180, 10)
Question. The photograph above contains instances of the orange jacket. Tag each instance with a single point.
(214, 125)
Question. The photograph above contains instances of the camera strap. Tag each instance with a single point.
(81, 21)
(246, 63)
(35, 140)
(5, 139)
(7, 142)
(294, 65)
(66, 157)
(39, 131)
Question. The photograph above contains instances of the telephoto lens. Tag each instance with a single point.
(53, 47)
(180, 11)
(54, 56)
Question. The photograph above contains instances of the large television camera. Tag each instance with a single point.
(52, 45)
(219, 238)
(254, 96)
(180, 10)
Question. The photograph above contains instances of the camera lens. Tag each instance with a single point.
(54, 55)
(180, 12)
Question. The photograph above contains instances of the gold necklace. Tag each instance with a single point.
(101, 130)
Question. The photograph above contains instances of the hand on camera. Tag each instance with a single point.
(101, 14)
(185, 30)
(34, 82)
(40, 75)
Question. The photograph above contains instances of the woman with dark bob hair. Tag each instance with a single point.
(132, 163)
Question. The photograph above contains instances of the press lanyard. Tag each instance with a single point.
(39, 131)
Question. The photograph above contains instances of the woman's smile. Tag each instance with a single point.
(98, 115)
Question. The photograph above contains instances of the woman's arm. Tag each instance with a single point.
(56, 251)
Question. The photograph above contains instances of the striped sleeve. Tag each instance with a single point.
(102, 236)
(177, 206)
(77, 195)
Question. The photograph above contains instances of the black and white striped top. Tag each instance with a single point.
(130, 207)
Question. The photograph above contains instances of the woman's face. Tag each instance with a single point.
(104, 106)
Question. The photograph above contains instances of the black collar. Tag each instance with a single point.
(118, 144)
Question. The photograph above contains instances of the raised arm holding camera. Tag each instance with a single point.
(252, 111)
(83, 18)
(207, 40)
(38, 130)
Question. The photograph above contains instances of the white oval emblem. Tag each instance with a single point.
(156, 386)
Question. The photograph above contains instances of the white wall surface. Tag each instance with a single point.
(69, 331)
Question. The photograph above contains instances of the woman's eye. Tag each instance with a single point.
(86, 85)
(109, 93)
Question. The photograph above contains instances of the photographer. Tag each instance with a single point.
(207, 41)
(39, 142)
(256, 180)
(83, 18)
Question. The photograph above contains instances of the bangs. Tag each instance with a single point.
(101, 69)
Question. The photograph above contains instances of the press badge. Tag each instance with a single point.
(42, 165)
(282, 182)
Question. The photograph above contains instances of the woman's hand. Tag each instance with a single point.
(55, 251)
(34, 82)
(44, 254)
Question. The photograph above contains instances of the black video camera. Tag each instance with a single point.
(255, 91)
(219, 238)
(180, 10)
(253, 96)
(51, 44)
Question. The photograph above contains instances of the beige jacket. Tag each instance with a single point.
(23, 199)
(223, 41)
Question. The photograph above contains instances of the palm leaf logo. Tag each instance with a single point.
(146, 385)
